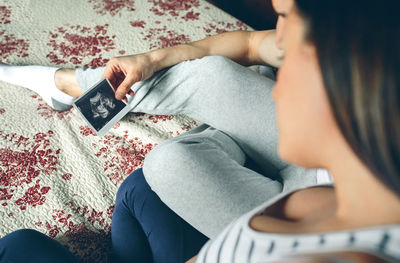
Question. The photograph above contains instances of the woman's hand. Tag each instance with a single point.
(124, 71)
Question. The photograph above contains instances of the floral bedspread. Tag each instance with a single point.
(56, 176)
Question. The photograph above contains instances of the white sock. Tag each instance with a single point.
(39, 79)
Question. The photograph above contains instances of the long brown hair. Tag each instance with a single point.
(358, 47)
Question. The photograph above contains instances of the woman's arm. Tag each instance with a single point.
(263, 49)
(244, 47)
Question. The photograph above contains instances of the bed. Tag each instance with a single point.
(56, 176)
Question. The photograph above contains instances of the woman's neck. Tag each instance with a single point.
(362, 200)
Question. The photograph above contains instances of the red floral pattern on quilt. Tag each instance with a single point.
(121, 155)
(21, 163)
(83, 42)
(173, 7)
(11, 45)
(218, 27)
(5, 13)
(47, 112)
(162, 38)
(138, 23)
(56, 175)
(112, 7)
(35, 195)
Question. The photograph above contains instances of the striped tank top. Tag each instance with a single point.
(240, 243)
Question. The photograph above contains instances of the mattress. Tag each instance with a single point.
(56, 175)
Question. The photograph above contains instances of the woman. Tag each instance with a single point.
(329, 98)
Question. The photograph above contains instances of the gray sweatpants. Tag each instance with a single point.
(203, 174)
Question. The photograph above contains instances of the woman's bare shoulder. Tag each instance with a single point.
(291, 214)
(302, 203)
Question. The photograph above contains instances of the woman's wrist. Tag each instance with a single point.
(165, 57)
(156, 58)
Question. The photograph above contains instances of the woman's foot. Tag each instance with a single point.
(55, 86)
(65, 80)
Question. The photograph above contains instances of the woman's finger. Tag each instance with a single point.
(108, 72)
(126, 85)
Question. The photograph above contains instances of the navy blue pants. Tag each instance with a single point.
(143, 229)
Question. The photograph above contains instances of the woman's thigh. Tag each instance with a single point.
(216, 91)
(200, 176)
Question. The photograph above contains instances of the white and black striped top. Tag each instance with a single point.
(239, 243)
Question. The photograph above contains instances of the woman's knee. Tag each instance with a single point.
(200, 70)
(25, 234)
(134, 184)
(215, 64)
(216, 61)
(20, 237)
(166, 164)
(37, 248)
(221, 82)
